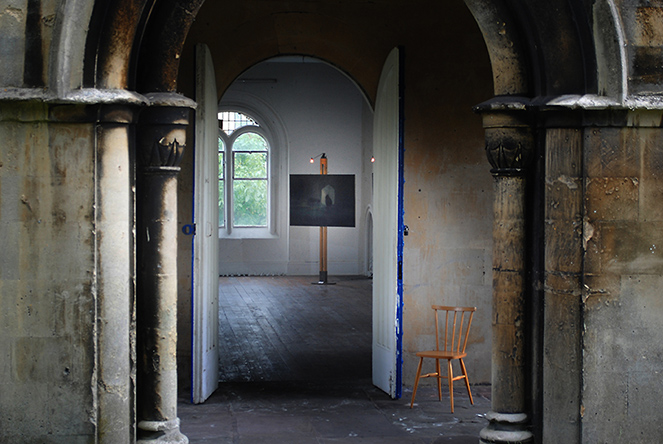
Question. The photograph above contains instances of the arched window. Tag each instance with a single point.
(244, 156)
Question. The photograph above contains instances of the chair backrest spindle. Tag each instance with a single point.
(437, 337)
(467, 335)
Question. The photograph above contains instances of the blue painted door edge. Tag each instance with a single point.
(401, 224)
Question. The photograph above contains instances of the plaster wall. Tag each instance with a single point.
(317, 109)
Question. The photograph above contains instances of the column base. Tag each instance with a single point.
(506, 428)
(157, 432)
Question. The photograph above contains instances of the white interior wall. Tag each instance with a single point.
(314, 108)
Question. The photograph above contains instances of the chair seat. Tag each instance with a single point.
(440, 354)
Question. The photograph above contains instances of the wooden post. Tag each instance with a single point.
(323, 233)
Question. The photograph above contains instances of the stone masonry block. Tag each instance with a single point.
(612, 198)
(612, 152)
(507, 245)
(562, 359)
(563, 154)
(593, 246)
(651, 196)
(623, 361)
(651, 178)
(646, 64)
(604, 405)
(508, 309)
(563, 250)
(563, 283)
(9, 246)
(10, 200)
(645, 32)
(507, 282)
(564, 198)
(642, 307)
(604, 286)
(630, 247)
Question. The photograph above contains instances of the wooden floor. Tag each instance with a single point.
(296, 368)
(287, 329)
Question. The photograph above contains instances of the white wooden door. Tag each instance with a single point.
(205, 353)
(387, 230)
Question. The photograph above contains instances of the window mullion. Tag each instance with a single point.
(230, 174)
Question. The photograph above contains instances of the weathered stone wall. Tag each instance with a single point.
(643, 29)
(563, 266)
(622, 303)
(26, 55)
(47, 278)
(602, 280)
(66, 316)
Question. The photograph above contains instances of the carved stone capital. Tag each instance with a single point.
(509, 150)
(162, 133)
(165, 156)
(509, 133)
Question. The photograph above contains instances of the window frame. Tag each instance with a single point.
(227, 229)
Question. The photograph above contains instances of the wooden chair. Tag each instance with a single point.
(457, 323)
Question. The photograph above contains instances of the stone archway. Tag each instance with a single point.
(525, 134)
(521, 71)
(99, 83)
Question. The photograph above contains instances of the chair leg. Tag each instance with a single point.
(416, 381)
(439, 379)
(450, 376)
(467, 381)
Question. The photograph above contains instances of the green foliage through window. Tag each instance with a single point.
(250, 203)
(222, 194)
(249, 185)
(250, 165)
(250, 142)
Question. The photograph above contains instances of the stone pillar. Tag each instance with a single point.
(115, 272)
(161, 140)
(509, 146)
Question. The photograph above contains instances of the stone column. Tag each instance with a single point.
(161, 140)
(509, 146)
(115, 294)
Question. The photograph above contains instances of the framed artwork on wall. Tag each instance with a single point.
(322, 200)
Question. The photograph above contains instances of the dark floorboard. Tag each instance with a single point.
(286, 329)
(295, 367)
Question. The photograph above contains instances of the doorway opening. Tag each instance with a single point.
(304, 106)
(274, 325)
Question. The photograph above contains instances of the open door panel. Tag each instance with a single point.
(388, 228)
(205, 350)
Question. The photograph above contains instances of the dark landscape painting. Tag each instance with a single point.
(322, 200)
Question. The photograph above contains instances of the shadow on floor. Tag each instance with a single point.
(310, 412)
